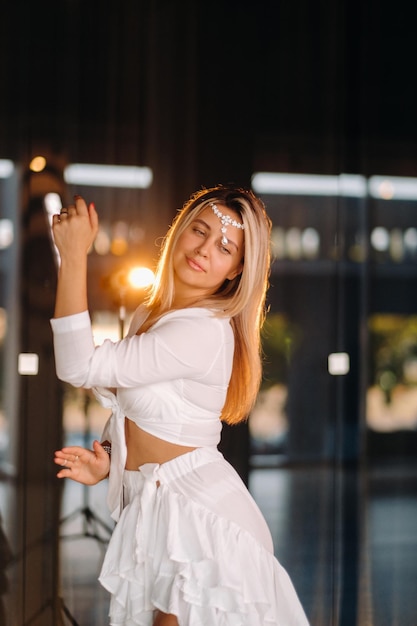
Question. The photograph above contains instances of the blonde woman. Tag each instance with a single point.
(190, 547)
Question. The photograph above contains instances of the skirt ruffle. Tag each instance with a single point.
(171, 554)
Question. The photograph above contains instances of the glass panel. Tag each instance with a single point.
(390, 511)
(306, 428)
(316, 303)
(392, 394)
(391, 413)
(9, 317)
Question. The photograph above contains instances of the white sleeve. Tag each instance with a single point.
(176, 347)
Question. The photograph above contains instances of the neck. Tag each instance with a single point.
(184, 303)
(184, 298)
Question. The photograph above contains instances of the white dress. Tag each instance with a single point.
(189, 538)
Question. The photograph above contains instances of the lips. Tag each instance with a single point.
(194, 265)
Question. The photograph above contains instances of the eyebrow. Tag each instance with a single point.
(198, 219)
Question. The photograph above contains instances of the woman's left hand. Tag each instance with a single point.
(84, 466)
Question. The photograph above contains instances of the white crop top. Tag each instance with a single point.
(171, 380)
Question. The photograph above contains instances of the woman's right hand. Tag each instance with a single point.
(75, 229)
(74, 232)
(84, 466)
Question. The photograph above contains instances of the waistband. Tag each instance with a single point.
(183, 464)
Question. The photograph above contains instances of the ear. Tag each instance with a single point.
(235, 272)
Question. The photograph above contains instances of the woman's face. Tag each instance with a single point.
(202, 262)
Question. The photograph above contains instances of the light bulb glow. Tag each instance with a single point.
(53, 203)
(6, 168)
(140, 277)
(37, 164)
(6, 233)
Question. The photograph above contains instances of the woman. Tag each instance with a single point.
(190, 547)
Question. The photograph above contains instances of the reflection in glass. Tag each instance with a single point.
(380, 239)
(102, 242)
(6, 233)
(278, 242)
(410, 241)
(293, 244)
(396, 245)
(268, 424)
(310, 243)
(392, 394)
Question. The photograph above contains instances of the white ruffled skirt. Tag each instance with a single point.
(192, 542)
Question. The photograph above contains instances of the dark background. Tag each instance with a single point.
(209, 92)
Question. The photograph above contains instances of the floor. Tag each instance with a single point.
(347, 538)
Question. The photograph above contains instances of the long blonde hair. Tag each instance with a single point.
(242, 298)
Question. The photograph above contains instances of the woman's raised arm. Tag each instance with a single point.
(74, 232)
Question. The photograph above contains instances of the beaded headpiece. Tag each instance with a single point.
(226, 221)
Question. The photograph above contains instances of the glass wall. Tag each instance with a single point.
(338, 401)
(338, 257)
(338, 394)
(9, 317)
(309, 408)
(392, 391)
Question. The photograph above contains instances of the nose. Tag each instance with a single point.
(202, 249)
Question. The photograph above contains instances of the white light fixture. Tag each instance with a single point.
(6, 233)
(28, 364)
(380, 239)
(338, 363)
(53, 203)
(393, 187)
(410, 239)
(310, 243)
(131, 177)
(6, 168)
(352, 185)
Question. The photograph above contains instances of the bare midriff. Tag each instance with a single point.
(145, 448)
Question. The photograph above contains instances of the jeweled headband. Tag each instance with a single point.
(226, 221)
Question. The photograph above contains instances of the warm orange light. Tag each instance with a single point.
(118, 246)
(140, 277)
(37, 164)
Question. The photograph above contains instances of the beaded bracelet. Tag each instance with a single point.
(107, 448)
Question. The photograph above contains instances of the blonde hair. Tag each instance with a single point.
(242, 298)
